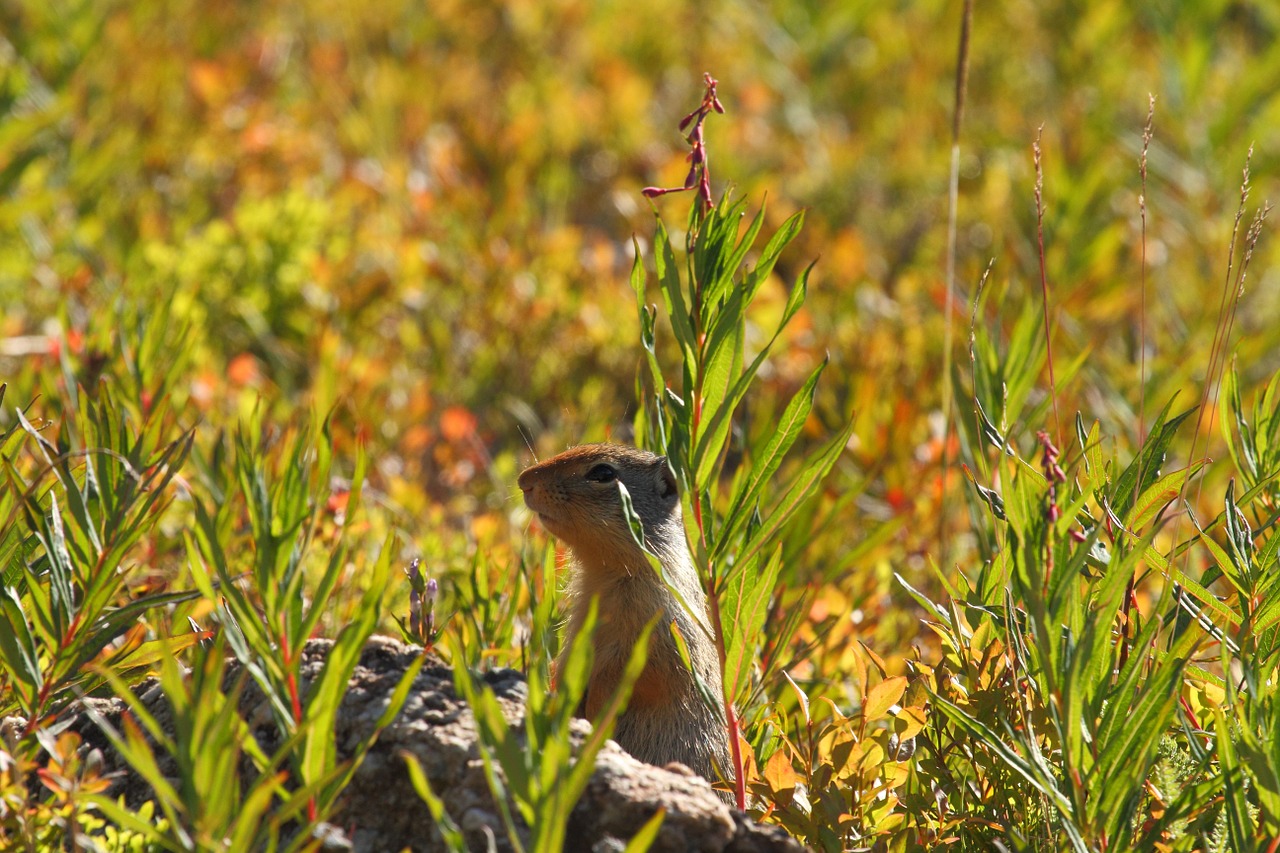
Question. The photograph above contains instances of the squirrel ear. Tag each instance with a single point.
(667, 487)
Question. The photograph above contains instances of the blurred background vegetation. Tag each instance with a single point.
(423, 216)
(420, 217)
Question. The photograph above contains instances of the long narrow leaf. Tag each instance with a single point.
(775, 450)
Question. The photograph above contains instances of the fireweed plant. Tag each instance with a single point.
(738, 511)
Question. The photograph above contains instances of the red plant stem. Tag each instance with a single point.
(1044, 282)
(1218, 334)
(730, 713)
(693, 441)
(1252, 234)
(953, 204)
(700, 176)
(38, 717)
(1130, 598)
(713, 602)
(1142, 309)
(713, 587)
(1130, 603)
(1053, 475)
(295, 702)
(1186, 707)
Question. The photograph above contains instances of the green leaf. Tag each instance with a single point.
(712, 256)
(766, 464)
(18, 650)
(721, 364)
(643, 840)
(989, 431)
(1239, 535)
(1130, 732)
(636, 527)
(1159, 495)
(989, 496)
(1029, 771)
(942, 616)
(1191, 586)
(744, 607)
(454, 840)
(494, 741)
(323, 700)
(735, 259)
(803, 487)
(1145, 467)
(1235, 801)
(1237, 575)
(340, 778)
(673, 293)
(648, 318)
(1091, 449)
(132, 746)
(1231, 414)
(759, 274)
(62, 573)
(718, 419)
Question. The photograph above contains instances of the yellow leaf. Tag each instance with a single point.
(895, 775)
(801, 699)
(836, 744)
(836, 714)
(883, 696)
(917, 695)
(750, 771)
(867, 756)
(980, 638)
(908, 722)
(779, 773)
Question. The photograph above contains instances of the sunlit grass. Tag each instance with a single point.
(298, 288)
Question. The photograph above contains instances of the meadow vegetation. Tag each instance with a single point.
(293, 290)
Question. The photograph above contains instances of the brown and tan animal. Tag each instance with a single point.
(576, 497)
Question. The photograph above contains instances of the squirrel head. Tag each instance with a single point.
(577, 498)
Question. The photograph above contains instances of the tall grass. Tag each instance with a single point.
(276, 313)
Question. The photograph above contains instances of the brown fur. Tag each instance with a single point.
(666, 720)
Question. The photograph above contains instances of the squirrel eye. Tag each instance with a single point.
(602, 474)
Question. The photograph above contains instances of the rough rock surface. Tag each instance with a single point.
(381, 811)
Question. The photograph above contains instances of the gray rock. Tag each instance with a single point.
(381, 811)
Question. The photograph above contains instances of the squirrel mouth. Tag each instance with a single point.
(547, 520)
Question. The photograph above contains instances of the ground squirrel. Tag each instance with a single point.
(576, 497)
